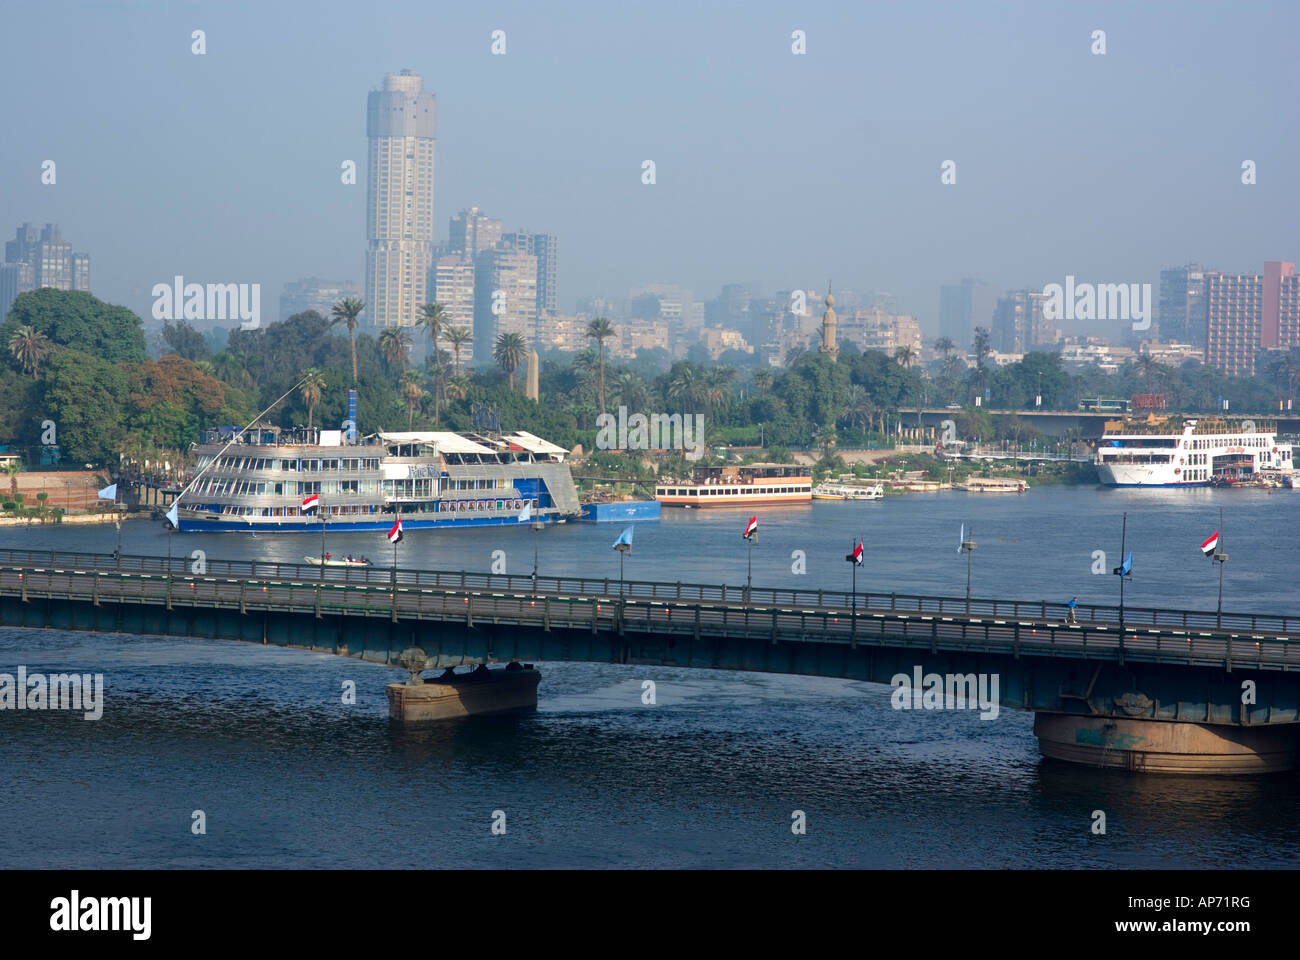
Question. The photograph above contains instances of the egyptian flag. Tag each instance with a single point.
(1210, 545)
(310, 503)
(751, 528)
(856, 555)
(395, 534)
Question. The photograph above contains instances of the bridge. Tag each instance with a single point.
(1144, 688)
(1087, 424)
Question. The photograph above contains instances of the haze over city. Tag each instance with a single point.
(773, 169)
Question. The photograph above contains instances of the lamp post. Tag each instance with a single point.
(537, 527)
(968, 545)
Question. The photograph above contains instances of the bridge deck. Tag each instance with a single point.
(776, 615)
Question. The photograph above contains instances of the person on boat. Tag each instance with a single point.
(1071, 618)
(327, 557)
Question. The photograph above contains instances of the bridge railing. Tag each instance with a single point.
(735, 594)
(662, 619)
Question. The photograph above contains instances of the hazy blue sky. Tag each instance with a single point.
(773, 169)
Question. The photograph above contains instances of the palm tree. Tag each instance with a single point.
(858, 407)
(437, 367)
(395, 344)
(509, 353)
(982, 347)
(630, 390)
(826, 438)
(945, 346)
(905, 356)
(346, 312)
(30, 347)
(1149, 369)
(457, 386)
(600, 330)
(13, 468)
(458, 337)
(716, 382)
(763, 380)
(312, 388)
(686, 388)
(411, 392)
(432, 320)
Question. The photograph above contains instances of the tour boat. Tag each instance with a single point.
(1177, 452)
(265, 479)
(848, 491)
(332, 562)
(751, 485)
(992, 485)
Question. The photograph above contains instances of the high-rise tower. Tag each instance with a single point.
(401, 125)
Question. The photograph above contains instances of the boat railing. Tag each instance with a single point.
(991, 611)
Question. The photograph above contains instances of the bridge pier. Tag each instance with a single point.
(1165, 746)
(482, 691)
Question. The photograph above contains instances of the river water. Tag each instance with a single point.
(287, 775)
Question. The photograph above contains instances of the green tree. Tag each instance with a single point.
(74, 318)
(30, 347)
(346, 312)
(312, 389)
(411, 392)
(432, 317)
(395, 344)
(600, 330)
(458, 337)
(85, 396)
(509, 353)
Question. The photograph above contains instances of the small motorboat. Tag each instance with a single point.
(335, 562)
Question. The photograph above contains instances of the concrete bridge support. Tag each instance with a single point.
(509, 689)
(1165, 746)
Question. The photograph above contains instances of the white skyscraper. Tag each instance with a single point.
(401, 126)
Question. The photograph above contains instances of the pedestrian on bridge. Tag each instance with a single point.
(1070, 617)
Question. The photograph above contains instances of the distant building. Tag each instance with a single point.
(35, 259)
(545, 247)
(963, 307)
(472, 233)
(15, 279)
(401, 127)
(505, 298)
(1249, 313)
(561, 332)
(718, 340)
(453, 290)
(1019, 323)
(1180, 316)
(313, 293)
(873, 328)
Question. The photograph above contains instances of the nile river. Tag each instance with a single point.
(288, 775)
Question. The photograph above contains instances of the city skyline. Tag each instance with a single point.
(870, 208)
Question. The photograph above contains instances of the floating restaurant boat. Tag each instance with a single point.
(1177, 452)
(263, 478)
(752, 485)
(992, 485)
(848, 491)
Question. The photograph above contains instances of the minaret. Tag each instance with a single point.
(534, 376)
(828, 326)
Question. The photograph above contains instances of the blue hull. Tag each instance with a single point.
(345, 526)
(621, 511)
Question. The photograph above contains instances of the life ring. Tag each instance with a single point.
(1177, 471)
(1182, 459)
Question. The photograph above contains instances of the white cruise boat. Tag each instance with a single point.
(848, 491)
(1178, 452)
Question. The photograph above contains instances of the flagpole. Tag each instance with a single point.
(749, 569)
(320, 509)
(1222, 558)
(1123, 540)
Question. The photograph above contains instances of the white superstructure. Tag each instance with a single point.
(1175, 452)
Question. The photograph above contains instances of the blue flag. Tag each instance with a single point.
(625, 537)
(109, 492)
(172, 516)
(1126, 567)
